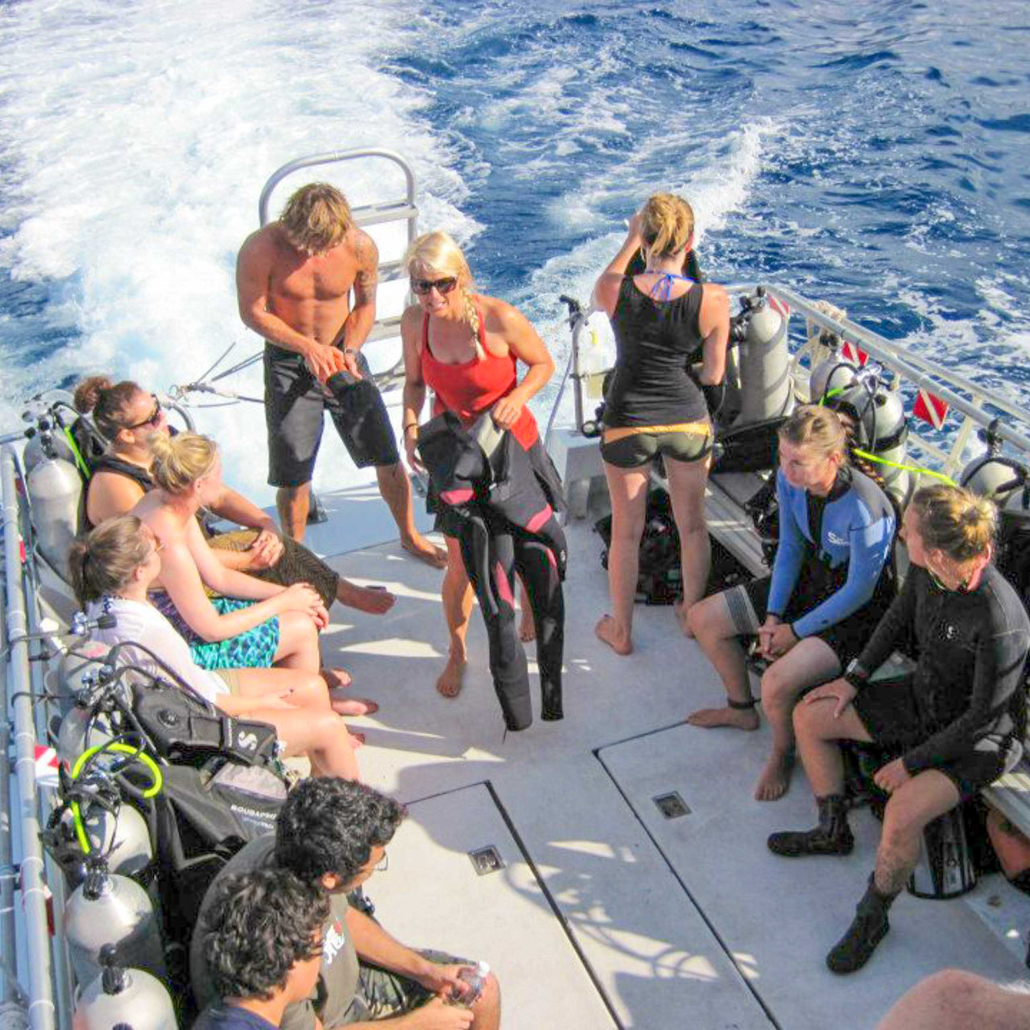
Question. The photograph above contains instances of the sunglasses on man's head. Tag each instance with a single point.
(152, 419)
(443, 286)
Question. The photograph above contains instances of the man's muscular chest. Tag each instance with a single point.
(315, 277)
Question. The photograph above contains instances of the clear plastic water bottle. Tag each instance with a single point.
(475, 976)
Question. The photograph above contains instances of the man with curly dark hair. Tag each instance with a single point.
(332, 834)
(263, 946)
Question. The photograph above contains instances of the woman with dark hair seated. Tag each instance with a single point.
(830, 584)
(112, 568)
(952, 727)
(129, 418)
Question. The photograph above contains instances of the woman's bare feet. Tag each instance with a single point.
(735, 718)
(681, 611)
(356, 739)
(374, 600)
(775, 779)
(354, 706)
(335, 679)
(421, 548)
(451, 680)
(618, 641)
(527, 628)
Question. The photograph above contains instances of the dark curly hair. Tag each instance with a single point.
(257, 926)
(330, 825)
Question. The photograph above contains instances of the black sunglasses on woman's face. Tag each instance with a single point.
(152, 419)
(443, 286)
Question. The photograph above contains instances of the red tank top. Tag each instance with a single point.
(474, 386)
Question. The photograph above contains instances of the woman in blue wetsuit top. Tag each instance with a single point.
(831, 581)
(663, 323)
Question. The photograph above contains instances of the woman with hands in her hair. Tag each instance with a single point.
(663, 323)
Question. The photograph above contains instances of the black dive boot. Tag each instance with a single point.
(867, 929)
(831, 837)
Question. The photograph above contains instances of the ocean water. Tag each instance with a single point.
(875, 154)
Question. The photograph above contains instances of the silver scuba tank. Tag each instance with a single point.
(121, 836)
(108, 909)
(829, 376)
(126, 996)
(766, 387)
(44, 445)
(73, 670)
(55, 495)
(79, 723)
(1002, 480)
(880, 429)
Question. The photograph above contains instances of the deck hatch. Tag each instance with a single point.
(486, 860)
(671, 805)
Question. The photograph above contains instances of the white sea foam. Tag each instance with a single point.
(137, 138)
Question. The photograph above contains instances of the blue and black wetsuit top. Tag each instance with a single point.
(835, 549)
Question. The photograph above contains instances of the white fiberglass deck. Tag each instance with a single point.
(605, 913)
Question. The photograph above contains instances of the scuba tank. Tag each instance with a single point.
(55, 498)
(74, 670)
(830, 376)
(118, 995)
(880, 428)
(766, 388)
(113, 828)
(109, 909)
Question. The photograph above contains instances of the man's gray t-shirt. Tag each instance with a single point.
(338, 980)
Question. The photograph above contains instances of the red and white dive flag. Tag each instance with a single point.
(851, 352)
(930, 409)
(781, 307)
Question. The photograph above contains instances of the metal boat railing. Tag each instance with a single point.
(34, 949)
(977, 407)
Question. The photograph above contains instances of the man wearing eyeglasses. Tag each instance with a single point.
(333, 833)
(293, 283)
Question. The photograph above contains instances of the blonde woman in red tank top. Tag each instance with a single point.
(466, 347)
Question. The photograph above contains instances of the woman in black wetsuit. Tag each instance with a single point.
(663, 322)
(954, 725)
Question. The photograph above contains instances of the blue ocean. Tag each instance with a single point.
(875, 154)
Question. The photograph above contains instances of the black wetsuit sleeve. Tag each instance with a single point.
(997, 675)
(891, 629)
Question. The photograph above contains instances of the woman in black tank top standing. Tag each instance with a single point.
(663, 323)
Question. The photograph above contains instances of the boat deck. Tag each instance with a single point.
(604, 912)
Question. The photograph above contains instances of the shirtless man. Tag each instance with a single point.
(293, 282)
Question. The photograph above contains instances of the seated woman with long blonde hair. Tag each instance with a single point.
(113, 567)
(254, 623)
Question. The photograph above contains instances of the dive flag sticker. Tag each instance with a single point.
(930, 409)
(781, 307)
(46, 766)
(852, 352)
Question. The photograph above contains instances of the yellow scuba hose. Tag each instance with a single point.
(79, 460)
(112, 745)
(883, 461)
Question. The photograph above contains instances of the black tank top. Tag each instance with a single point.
(108, 463)
(655, 341)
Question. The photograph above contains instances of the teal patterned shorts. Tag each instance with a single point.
(254, 649)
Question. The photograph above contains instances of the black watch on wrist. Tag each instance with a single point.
(855, 674)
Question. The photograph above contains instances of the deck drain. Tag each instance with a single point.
(486, 860)
(671, 805)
